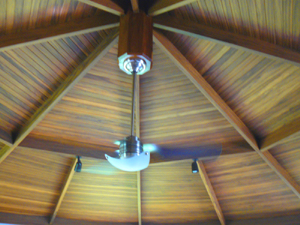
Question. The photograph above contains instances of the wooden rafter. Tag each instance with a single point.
(105, 5)
(61, 91)
(227, 38)
(64, 190)
(162, 6)
(186, 67)
(40, 35)
(280, 136)
(135, 6)
(210, 191)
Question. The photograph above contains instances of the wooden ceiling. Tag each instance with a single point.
(224, 72)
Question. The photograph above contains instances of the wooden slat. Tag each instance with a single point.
(64, 190)
(62, 90)
(279, 136)
(281, 172)
(5, 138)
(40, 35)
(105, 5)
(185, 66)
(135, 6)
(238, 41)
(162, 6)
(210, 191)
(216, 100)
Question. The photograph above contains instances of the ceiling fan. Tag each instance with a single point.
(135, 58)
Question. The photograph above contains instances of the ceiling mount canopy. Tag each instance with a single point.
(135, 43)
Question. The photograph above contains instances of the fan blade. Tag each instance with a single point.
(180, 153)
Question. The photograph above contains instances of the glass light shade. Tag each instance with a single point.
(133, 163)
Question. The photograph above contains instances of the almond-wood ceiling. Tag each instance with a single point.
(224, 72)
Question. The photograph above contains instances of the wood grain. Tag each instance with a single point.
(64, 190)
(161, 6)
(204, 87)
(280, 136)
(135, 6)
(105, 5)
(73, 28)
(71, 80)
(234, 40)
(210, 191)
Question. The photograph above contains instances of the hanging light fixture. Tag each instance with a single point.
(135, 58)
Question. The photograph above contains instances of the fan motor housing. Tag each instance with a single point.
(135, 40)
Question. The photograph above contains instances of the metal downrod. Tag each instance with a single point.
(133, 102)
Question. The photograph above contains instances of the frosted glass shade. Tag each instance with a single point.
(133, 163)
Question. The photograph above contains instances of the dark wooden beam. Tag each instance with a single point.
(185, 66)
(64, 190)
(162, 6)
(280, 136)
(105, 5)
(211, 192)
(227, 38)
(78, 73)
(43, 220)
(135, 6)
(40, 35)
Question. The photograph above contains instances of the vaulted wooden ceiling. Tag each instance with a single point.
(224, 72)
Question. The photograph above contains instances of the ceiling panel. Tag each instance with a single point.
(174, 112)
(95, 111)
(171, 193)
(21, 15)
(264, 93)
(247, 187)
(30, 74)
(31, 180)
(288, 155)
(106, 194)
(273, 21)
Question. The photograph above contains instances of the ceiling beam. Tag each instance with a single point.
(210, 191)
(162, 6)
(64, 190)
(281, 172)
(62, 90)
(105, 5)
(227, 38)
(280, 136)
(186, 67)
(202, 85)
(135, 6)
(41, 35)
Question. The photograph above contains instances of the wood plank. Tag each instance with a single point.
(279, 136)
(135, 6)
(216, 100)
(281, 172)
(163, 6)
(210, 191)
(5, 138)
(62, 90)
(185, 66)
(227, 38)
(64, 190)
(40, 220)
(105, 5)
(73, 28)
